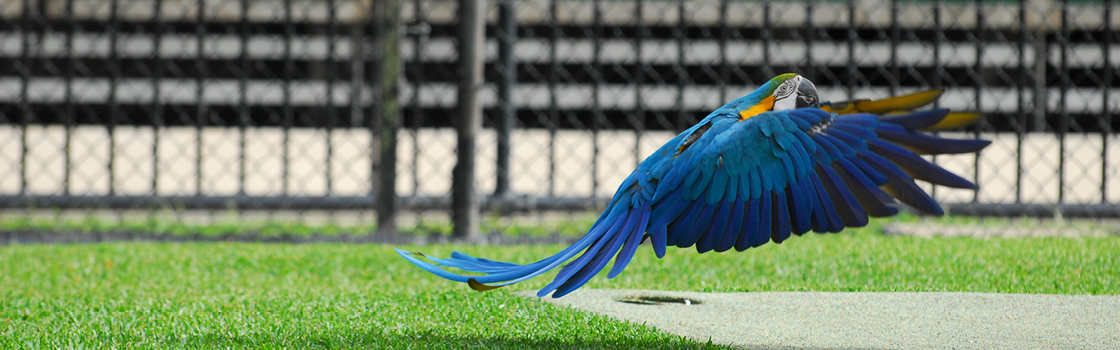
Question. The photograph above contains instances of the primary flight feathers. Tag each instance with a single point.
(760, 168)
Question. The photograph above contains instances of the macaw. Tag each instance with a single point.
(767, 165)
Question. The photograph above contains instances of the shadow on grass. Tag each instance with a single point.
(430, 340)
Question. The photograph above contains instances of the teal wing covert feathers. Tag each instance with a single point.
(759, 169)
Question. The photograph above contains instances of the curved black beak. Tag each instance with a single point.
(807, 94)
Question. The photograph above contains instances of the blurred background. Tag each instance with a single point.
(328, 113)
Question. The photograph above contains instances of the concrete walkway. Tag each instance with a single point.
(818, 320)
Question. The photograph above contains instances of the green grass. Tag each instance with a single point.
(236, 295)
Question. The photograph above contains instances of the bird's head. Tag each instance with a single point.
(784, 92)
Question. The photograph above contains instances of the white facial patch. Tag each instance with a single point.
(785, 96)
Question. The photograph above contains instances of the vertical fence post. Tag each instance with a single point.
(1063, 92)
(640, 70)
(464, 199)
(386, 112)
(809, 70)
(287, 112)
(553, 81)
(417, 79)
(853, 71)
(892, 65)
(332, 112)
(243, 116)
(24, 70)
(1021, 83)
(1040, 26)
(596, 88)
(114, 83)
(71, 109)
(680, 34)
(507, 37)
(767, 39)
(157, 105)
(979, 87)
(201, 108)
(1106, 85)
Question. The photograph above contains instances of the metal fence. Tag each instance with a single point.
(218, 104)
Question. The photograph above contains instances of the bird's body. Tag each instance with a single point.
(760, 168)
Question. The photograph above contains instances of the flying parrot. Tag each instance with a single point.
(767, 165)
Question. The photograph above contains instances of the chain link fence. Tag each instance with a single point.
(274, 104)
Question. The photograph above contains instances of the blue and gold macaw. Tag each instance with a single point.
(770, 164)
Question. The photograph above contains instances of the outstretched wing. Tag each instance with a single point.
(902, 104)
(790, 172)
(730, 183)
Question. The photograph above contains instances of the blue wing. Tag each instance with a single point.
(726, 183)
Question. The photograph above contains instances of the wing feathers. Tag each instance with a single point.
(744, 183)
(917, 167)
(780, 217)
(762, 234)
(800, 207)
(633, 238)
(738, 217)
(926, 144)
(747, 232)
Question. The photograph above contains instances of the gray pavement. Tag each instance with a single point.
(905, 320)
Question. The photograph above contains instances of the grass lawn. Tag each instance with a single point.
(236, 295)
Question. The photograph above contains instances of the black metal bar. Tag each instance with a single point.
(114, 108)
(26, 115)
(288, 115)
(419, 43)
(332, 113)
(596, 103)
(640, 78)
(938, 38)
(156, 78)
(1106, 85)
(853, 36)
(69, 97)
(243, 119)
(809, 70)
(507, 38)
(1063, 107)
(553, 108)
(389, 119)
(372, 58)
(202, 109)
(678, 66)
(1021, 82)
(979, 88)
(938, 66)
(359, 63)
(896, 35)
(767, 40)
(465, 206)
(724, 37)
(1040, 87)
